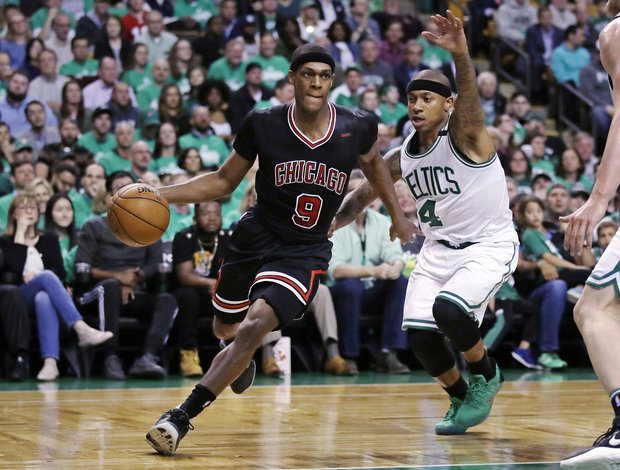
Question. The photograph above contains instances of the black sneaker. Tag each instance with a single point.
(245, 380)
(21, 368)
(166, 434)
(113, 368)
(604, 453)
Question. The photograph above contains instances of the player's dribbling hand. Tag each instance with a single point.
(582, 222)
(404, 229)
(452, 34)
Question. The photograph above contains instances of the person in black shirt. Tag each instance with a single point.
(196, 257)
(306, 150)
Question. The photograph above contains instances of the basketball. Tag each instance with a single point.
(138, 214)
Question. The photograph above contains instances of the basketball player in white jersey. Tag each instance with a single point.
(451, 167)
(597, 313)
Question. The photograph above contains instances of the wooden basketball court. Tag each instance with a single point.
(348, 424)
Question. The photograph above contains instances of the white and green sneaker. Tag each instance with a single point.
(448, 425)
(551, 360)
(479, 399)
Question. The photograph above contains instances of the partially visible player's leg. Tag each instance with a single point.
(229, 364)
(597, 315)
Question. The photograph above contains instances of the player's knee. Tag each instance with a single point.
(455, 324)
(224, 331)
(431, 351)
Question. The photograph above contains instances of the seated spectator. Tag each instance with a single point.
(39, 134)
(121, 271)
(520, 169)
(112, 44)
(210, 46)
(15, 39)
(563, 17)
(390, 107)
(134, 22)
(405, 70)
(141, 163)
(284, 92)
(348, 94)
(248, 33)
(72, 106)
(556, 205)
(92, 183)
(190, 162)
(578, 197)
(513, 19)
(310, 23)
(391, 10)
(365, 276)
(138, 75)
(90, 25)
(216, 95)
(384, 138)
(605, 233)
(193, 14)
(433, 56)
(362, 26)
(289, 37)
(196, 77)
(22, 173)
(180, 59)
(69, 133)
(35, 260)
(59, 42)
(149, 123)
(375, 71)
(81, 65)
(148, 96)
(584, 145)
(64, 177)
(15, 327)
(5, 72)
(212, 149)
(59, 218)
(99, 140)
(245, 98)
(540, 156)
(231, 67)
(13, 107)
(493, 102)
(594, 83)
(47, 87)
(120, 106)
(99, 92)
(155, 38)
(274, 66)
(369, 101)
(34, 47)
(541, 182)
(345, 52)
(42, 191)
(570, 57)
(42, 19)
(540, 41)
(392, 48)
(171, 109)
(119, 158)
(570, 171)
(167, 150)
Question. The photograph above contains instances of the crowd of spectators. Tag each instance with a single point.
(94, 95)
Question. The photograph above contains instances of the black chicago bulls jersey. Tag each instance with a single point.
(301, 183)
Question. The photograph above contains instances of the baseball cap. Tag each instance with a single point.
(99, 111)
(579, 189)
(353, 67)
(22, 144)
(247, 20)
(538, 173)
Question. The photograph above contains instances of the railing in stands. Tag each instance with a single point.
(574, 110)
(502, 48)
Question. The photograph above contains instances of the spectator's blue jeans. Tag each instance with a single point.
(385, 298)
(51, 302)
(551, 296)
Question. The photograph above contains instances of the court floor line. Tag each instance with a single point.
(490, 465)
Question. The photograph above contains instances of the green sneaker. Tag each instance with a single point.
(479, 399)
(448, 425)
(551, 360)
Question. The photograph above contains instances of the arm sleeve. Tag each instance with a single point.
(245, 142)
(534, 243)
(367, 126)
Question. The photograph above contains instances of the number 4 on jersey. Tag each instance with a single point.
(307, 210)
(427, 214)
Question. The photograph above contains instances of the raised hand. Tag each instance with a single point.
(451, 33)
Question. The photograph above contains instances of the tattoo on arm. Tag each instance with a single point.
(392, 160)
(468, 109)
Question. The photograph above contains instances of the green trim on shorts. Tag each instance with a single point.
(426, 324)
(607, 279)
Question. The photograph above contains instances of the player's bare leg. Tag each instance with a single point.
(597, 315)
(227, 366)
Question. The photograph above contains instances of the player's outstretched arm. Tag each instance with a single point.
(583, 220)
(210, 185)
(467, 123)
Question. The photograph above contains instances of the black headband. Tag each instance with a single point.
(429, 85)
(312, 56)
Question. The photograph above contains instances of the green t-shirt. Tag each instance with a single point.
(263, 104)
(5, 202)
(352, 101)
(273, 69)
(544, 165)
(112, 161)
(507, 291)
(37, 20)
(87, 69)
(177, 223)
(212, 149)
(68, 259)
(97, 148)
(148, 97)
(82, 206)
(434, 56)
(2, 90)
(535, 244)
(137, 80)
(587, 182)
(167, 165)
(234, 78)
(199, 10)
(391, 118)
(182, 83)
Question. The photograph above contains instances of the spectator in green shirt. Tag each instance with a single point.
(180, 59)
(212, 149)
(93, 182)
(274, 66)
(167, 151)
(139, 74)
(119, 157)
(194, 11)
(390, 107)
(99, 140)
(284, 92)
(348, 94)
(230, 68)
(148, 96)
(59, 218)
(81, 65)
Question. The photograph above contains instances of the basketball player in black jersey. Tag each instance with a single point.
(597, 312)
(306, 150)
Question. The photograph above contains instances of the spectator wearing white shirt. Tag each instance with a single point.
(563, 17)
(99, 92)
(155, 38)
(47, 87)
(60, 41)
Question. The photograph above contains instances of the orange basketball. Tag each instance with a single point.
(138, 214)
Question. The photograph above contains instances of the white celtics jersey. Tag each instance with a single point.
(459, 201)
